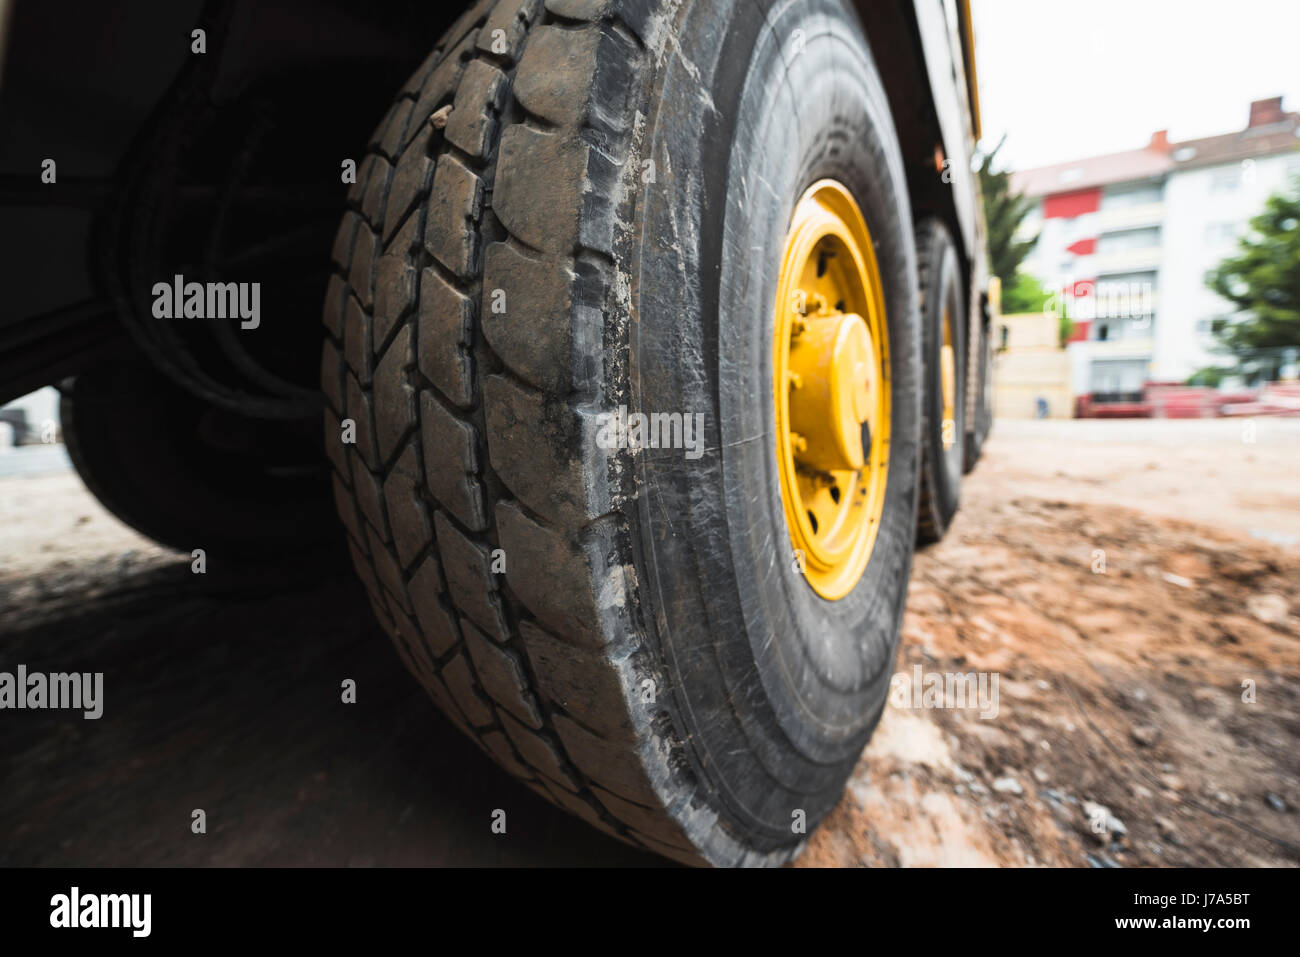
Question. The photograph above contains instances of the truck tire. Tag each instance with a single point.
(984, 393)
(535, 253)
(943, 345)
(191, 476)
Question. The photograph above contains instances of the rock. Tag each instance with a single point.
(1099, 860)
(1102, 823)
(1166, 828)
(1008, 785)
(1145, 734)
(1040, 775)
(439, 119)
(1269, 608)
(1276, 803)
(1172, 781)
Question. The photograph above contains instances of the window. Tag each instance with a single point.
(1126, 296)
(1147, 238)
(1146, 277)
(1120, 197)
(1114, 329)
(1225, 179)
(1118, 377)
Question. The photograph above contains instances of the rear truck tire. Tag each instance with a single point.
(190, 475)
(984, 393)
(596, 230)
(943, 347)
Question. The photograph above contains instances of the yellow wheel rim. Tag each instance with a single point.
(832, 390)
(948, 379)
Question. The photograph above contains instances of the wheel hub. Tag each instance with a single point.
(831, 390)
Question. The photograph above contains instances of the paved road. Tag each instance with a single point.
(33, 460)
(222, 692)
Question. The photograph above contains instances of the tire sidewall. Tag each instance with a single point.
(775, 688)
(946, 466)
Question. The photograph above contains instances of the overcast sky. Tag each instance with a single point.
(1066, 79)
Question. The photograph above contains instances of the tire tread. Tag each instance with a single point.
(467, 442)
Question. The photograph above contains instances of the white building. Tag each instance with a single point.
(1128, 238)
(1217, 187)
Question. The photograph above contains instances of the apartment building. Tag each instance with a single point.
(1125, 239)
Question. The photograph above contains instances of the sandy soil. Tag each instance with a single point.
(1122, 737)
(1125, 733)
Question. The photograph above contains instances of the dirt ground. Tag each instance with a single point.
(1122, 737)
(1148, 709)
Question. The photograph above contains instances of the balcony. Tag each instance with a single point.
(1126, 260)
(1130, 217)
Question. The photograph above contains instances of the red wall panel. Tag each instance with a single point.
(1069, 205)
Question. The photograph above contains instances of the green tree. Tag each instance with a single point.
(1004, 211)
(1262, 280)
(1026, 294)
(1210, 376)
(1023, 294)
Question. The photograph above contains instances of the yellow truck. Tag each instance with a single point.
(655, 336)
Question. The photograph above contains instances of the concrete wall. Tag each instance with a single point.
(1032, 366)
